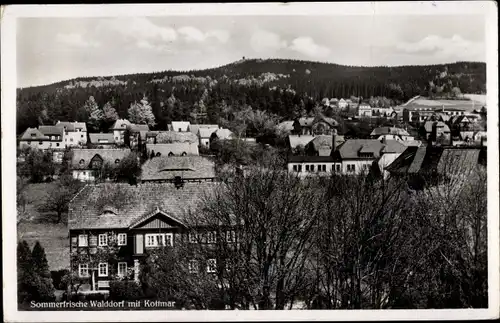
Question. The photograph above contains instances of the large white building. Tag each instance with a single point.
(74, 133)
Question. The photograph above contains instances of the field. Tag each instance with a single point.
(34, 225)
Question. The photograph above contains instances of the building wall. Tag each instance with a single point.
(204, 142)
(46, 144)
(75, 138)
(119, 136)
(330, 166)
(358, 166)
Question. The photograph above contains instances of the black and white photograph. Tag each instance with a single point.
(271, 161)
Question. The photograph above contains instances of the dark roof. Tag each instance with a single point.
(310, 159)
(350, 149)
(309, 121)
(137, 127)
(50, 130)
(109, 155)
(27, 135)
(176, 148)
(323, 142)
(96, 137)
(436, 159)
(167, 168)
(133, 203)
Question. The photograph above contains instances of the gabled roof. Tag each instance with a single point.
(436, 159)
(195, 127)
(72, 126)
(27, 135)
(351, 148)
(223, 133)
(96, 138)
(393, 146)
(136, 128)
(389, 131)
(183, 125)
(107, 154)
(176, 148)
(120, 124)
(153, 214)
(286, 125)
(296, 140)
(309, 121)
(133, 203)
(206, 132)
(167, 168)
(325, 142)
(50, 130)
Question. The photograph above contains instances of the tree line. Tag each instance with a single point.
(199, 95)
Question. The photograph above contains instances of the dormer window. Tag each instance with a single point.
(117, 161)
(82, 162)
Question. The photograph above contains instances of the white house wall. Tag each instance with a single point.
(331, 166)
(83, 175)
(75, 138)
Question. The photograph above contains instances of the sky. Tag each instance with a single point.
(55, 49)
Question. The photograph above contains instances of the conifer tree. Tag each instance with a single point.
(39, 258)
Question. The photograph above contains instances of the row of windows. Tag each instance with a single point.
(102, 269)
(101, 240)
(159, 240)
(194, 266)
(211, 237)
(312, 168)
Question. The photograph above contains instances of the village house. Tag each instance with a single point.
(179, 126)
(343, 104)
(322, 145)
(45, 137)
(75, 133)
(118, 129)
(86, 164)
(173, 149)
(364, 110)
(437, 130)
(204, 135)
(178, 169)
(353, 156)
(102, 140)
(318, 125)
(423, 166)
(112, 227)
(391, 133)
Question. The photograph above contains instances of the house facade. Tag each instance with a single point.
(118, 130)
(75, 133)
(364, 110)
(45, 137)
(87, 163)
(111, 234)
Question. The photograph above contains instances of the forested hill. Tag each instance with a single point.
(282, 87)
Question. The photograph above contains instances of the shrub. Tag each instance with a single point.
(57, 276)
(125, 290)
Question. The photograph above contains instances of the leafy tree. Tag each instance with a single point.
(141, 113)
(95, 114)
(109, 113)
(40, 264)
(129, 168)
(38, 165)
(58, 198)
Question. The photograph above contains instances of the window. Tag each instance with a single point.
(300, 168)
(337, 168)
(81, 136)
(117, 161)
(158, 154)
(211, 266)
(307, 168)
(122, 269)
(93, 240)
(83, 240)
(183, 154)
(83, 270)
(71, 139)
(103, 239)
(57, 144)
(211, 237)
(294, 168)
(159, 239)
(122, 239)
(324, 168)
(193, 266)
(170, 154)
(180, 129)
(312, 168)
(40, 142)
(82, 161)
(230, 236)
(84, 173)
(193, 238)
(351, 168)
(103, 269)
